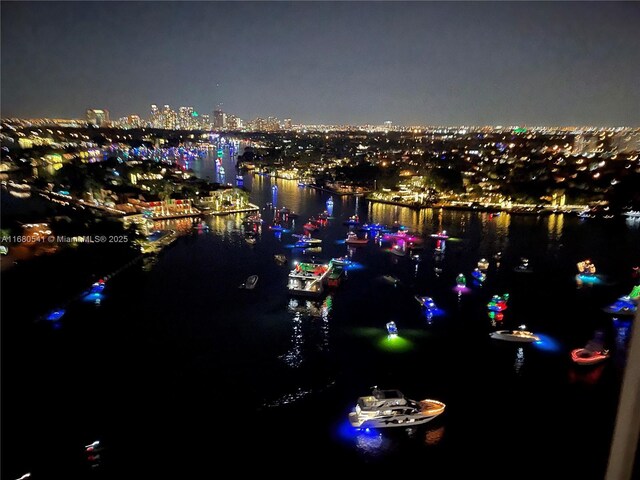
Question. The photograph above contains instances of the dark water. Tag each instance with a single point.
(178, 370)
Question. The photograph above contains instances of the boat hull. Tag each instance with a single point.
(409, 421)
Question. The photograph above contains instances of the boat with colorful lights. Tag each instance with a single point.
(478, 275)
(498, 303)
(440, 235)
(521, 335)
(426, 302)
(352, 239)
(352, 220)
(307, 278)
(390, 408)
(483, 264)
(593, 352)
(625, 305)
(392, 328)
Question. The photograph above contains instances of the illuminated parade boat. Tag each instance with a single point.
(524, 266)
(426, 302)
(390, 408)
(280, 258)
(392, 328)
(483, 264)
(352, 239)
(623, 306)
(461, 280)
(307, 279)
(478, 275)
(498, 303)
(353, 220)
(520, 335)
(330, 203)
(440, 235)
(586, 271)
(593, 353)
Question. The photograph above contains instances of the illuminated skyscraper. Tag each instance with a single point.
(219, 119)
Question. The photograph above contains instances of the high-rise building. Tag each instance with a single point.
(219, 119)
(169, 118)
(98, 117)
(156, 117)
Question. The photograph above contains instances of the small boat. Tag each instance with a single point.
(440, 235)
(251, 239)
(352, 239)
(276, 228)
(274, 189)
(301, 184)
(524, 266)
(461, 280)
(478, 275)
(310, 226)
(593, 353)
(391, 279)
(97, 287)
(498, 303)
(330, 202)
(426, 302)
(520, 335)
(251, 283)
(280, 258)
(341, 261)
(623, 306)
(310, 240)
(483, 264)
(392, 329)
(390, 408)
(56, 314)
(353, 220)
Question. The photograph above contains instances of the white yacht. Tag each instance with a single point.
(520, 335)
(390, 408)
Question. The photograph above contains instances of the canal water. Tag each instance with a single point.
(178, 371)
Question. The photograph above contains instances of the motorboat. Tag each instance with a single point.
(352, 239)
(623, 306)
(56, 314)
(310, 240)
(593, 353)
(276, 228)
(498, 303)
(426, 302)
(310, 226)
(307, 278)
(520, 335)
(524, 266)
(345, 261)
(483, 264)
(390, 408)
(442, 235)
(461, 280)
(250, 239)
(353, 220)
(251, 282)
(330, 203)
(280, 258)
(478, 275)
(97, 287)
(586, 267)
(392, 328)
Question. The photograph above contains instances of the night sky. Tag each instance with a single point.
(355, 62)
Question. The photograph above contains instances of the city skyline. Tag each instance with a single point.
(363, 63)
